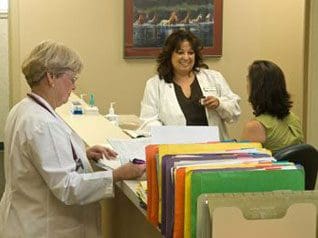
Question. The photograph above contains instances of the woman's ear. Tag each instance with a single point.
(50, 79)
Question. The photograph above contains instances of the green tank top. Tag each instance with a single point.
(281, 133)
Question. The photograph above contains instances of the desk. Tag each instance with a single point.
(121, 216)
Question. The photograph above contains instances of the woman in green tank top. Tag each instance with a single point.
(274, 125)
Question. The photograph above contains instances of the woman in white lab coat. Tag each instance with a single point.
(51, 190)
(184, 92)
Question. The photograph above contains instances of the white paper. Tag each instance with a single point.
(136, 133)
(184, 134)
(108, 164)
(129, 149)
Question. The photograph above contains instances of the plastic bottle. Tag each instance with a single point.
(91, 109)
(91, 100)
(82, 95)
(77, 106)
(111, 116)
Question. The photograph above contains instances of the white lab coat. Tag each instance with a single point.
(160, 105)
(44, 195)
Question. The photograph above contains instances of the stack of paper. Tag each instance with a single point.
(108, 164)
(127, 149)
(141, 192)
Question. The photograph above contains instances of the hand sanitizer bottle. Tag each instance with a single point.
(111, 116)
(82, 96)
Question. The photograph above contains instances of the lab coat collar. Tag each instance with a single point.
(45, 103)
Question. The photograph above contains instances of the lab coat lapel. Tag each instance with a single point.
(207, 86)
(78, 146)
(170, 106)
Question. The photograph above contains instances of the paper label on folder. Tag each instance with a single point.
(184, 134)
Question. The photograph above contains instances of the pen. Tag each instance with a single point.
(138, 161)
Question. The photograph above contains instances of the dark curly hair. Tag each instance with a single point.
(172, 44)
(268, 93)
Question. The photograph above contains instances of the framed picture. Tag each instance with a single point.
(149, 22)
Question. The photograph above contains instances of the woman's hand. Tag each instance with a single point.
(97, 152)
(129, 171)
(211, 102)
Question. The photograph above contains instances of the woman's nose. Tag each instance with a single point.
(186, 56)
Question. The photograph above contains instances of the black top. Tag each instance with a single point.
(193, 111)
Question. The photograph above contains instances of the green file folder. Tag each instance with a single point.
(209, 181)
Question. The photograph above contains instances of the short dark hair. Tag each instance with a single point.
(172, 44)
(268, 93)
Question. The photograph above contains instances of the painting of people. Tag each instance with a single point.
(149, 22)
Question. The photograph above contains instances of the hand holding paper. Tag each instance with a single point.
(97, 152)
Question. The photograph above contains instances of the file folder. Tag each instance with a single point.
(152, 184)
(175, 149)
(179, 201)
(298, 222)
(237, 181)
(255, 207)
(179, 189)
(154, 168)
(168, 162)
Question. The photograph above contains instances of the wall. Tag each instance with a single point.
(4, 75)
(251, 30)
(312, 105)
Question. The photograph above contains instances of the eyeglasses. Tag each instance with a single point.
(73, 78)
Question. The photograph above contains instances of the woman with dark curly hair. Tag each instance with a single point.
(274, 125)
(185, 92)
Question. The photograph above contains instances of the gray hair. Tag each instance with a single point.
(50, 57)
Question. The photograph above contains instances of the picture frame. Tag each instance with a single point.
(148, 23)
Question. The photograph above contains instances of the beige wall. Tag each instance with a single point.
(4, 75)
(312, 106)
(251, 30)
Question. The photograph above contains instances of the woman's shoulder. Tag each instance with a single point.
(208, 71)
(254, 131)
(264, 116)
(32, 119)
(253, 125)
(210, 74)
(292, 119)
(154, 79)
(293, 116)
(266, 120)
